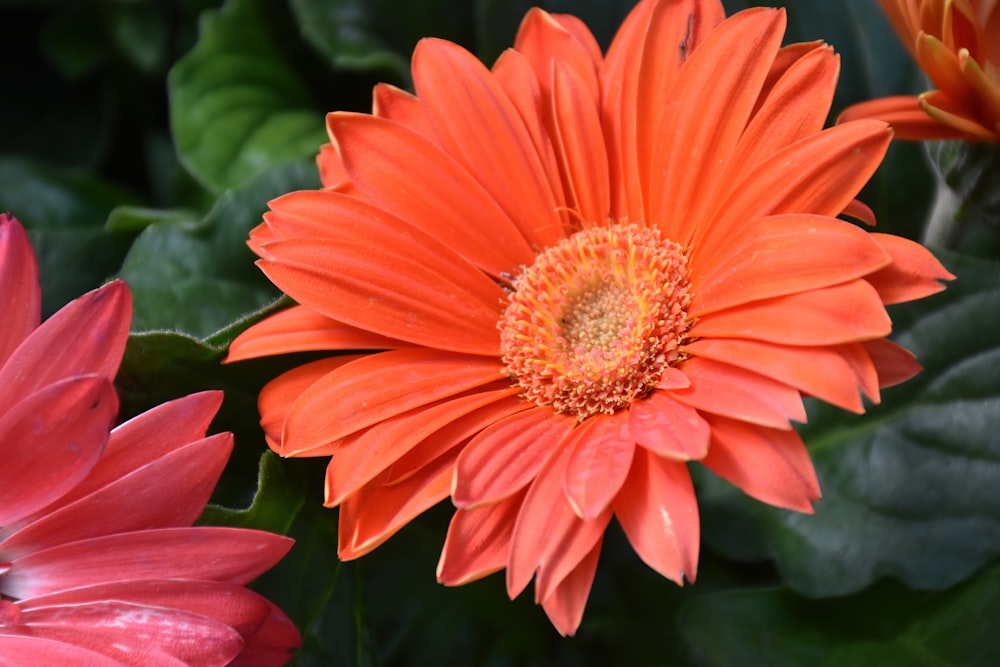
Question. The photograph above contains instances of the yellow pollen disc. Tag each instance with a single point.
(594, 322)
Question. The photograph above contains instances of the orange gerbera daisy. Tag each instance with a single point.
(957, 44)
(580, 271)
(99, 564)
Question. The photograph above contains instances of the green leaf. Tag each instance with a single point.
(888, 626)
(910, 487)
(237, 106)
(64, 213)
(275, 505)
(198, 277)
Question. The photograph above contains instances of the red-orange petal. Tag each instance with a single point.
(278, 396)
(377, 512)
(770, 465)
(548, 534)
(913, 274)
(301, 329)
(600, 457)
(476, 123)
(723, 389)
(361, 457)
(376, 387)
(819, 174)
(668, 428)
(22, 294)
(580, 143)
(698, 136)
(400, 106)
(827, 372)
(50, 440)
(392, 286)
(565, 605)
(506, 456)
(478, 542)
(840, 314)
(904, 114)
(440, 198)
(780, 255)
(542, 39)
(894, 363)
(657, 509)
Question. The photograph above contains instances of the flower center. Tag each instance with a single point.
(594, 322)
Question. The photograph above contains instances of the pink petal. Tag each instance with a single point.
(507, 455)
(168, 492)
(97, 325)
(600, 457)
(22, 295)
(232, 555)
(17, 650)
(658, 511)
(50, 440)
(668, 428)
(273, 643)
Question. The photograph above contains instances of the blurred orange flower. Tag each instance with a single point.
(99, 564)
(572, 274)
(957, 44)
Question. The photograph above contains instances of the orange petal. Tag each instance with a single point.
(22, 295)
(894, 363)
(478, 542)
(476, 123)
(361, 457)
(727, 390)
(50, 440)
(820, 174)
(828, 316)
(506, 456)
(548, 534)
(796, 105)
(456, 434)
(331, 170)
(580, 144)
(905, 115)
(941, 65)
(301, 329)
(400, 106)
(601, 451)
(668, 428)
(913, 274)
(771, 466)
(278, 396)
(543, 39)
(986, 89)
(859, 211)
(565, 605)
(658, 511)
(828, 373)
(377, 512)
(439, 198)
(944, 110)
(698, 137)
(392, 287)
(781, 255)
(97, 323)
(672, 33)
(375, 387)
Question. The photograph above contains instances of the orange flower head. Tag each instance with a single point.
(957, 45)
(561, 279)
(99, 562)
